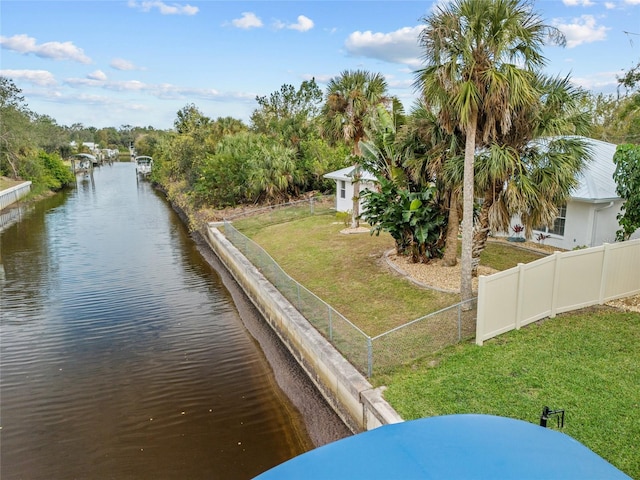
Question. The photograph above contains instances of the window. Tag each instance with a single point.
(558, 223)
(343, 189)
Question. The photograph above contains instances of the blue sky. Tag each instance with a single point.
(137, 62)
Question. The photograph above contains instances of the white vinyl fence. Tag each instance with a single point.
(558, 283)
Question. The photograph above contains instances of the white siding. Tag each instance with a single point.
(346, 204)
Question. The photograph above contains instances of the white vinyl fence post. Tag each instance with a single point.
(606, 252)
(520, 298)
(557, 256)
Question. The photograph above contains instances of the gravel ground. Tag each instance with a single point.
(447, 279)
(433, 274)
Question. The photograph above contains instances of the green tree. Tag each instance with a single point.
(56, 174)
(190, 120)
(149, 143)
(288, 114)
(627, 177)
(480, 57)
(192, 142)
(15, 129)
(381, 152)
(224, 126)
(413, 219)
(273, 177)
(222, 178)
(437, 157)
(50, 136)
(318, 157)
(531, 168)
(349, 108)
(629, 109)
(616, 118)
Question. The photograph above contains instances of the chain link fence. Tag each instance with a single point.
(370, 355)
(286, 212)
(423, 335)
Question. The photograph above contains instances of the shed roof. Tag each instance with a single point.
(346, 174)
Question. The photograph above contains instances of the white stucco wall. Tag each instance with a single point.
(577, 229)
(346, 204)
(587, 225)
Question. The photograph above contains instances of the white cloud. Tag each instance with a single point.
(121, 64)
(601, 81)
(163, 8)
(41, 78)
(54, 50)
(84, 82)
(576, 3)
(609, 5)
(582, 30)
(402, 84)
(632, 2)
(302, 25)
(164, 91)
(248, 20)
(97, 75)
(440, 5)
(400, 46)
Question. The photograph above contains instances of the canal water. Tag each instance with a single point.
(127, 352)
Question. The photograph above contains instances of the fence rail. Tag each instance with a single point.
(558, 283)
(370, 355)
(13, 194)
(288, 211)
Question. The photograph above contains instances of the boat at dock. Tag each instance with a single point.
(83, 163)
(144, 165)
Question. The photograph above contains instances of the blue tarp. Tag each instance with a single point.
(465, 446)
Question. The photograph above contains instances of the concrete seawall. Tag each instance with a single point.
(360, 406)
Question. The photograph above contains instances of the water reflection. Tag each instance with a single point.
(122, 354)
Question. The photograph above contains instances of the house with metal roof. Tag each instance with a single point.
(589, 217)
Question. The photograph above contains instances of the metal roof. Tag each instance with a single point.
(596, 182)
(346, 174)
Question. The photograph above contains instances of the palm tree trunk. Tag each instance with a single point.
(355, 210)
(481, 232)
(482, 227)
(466, 285)
(450, 257)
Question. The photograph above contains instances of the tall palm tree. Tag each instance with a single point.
(480, 59)
(381, 152)
(350, 106)
(436, 158)
(531, 169)
(274, 175)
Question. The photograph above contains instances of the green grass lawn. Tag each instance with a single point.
(344, 270)
(8, 183)
(587, 363)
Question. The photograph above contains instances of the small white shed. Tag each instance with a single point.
(344, 186)
(589, 217)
